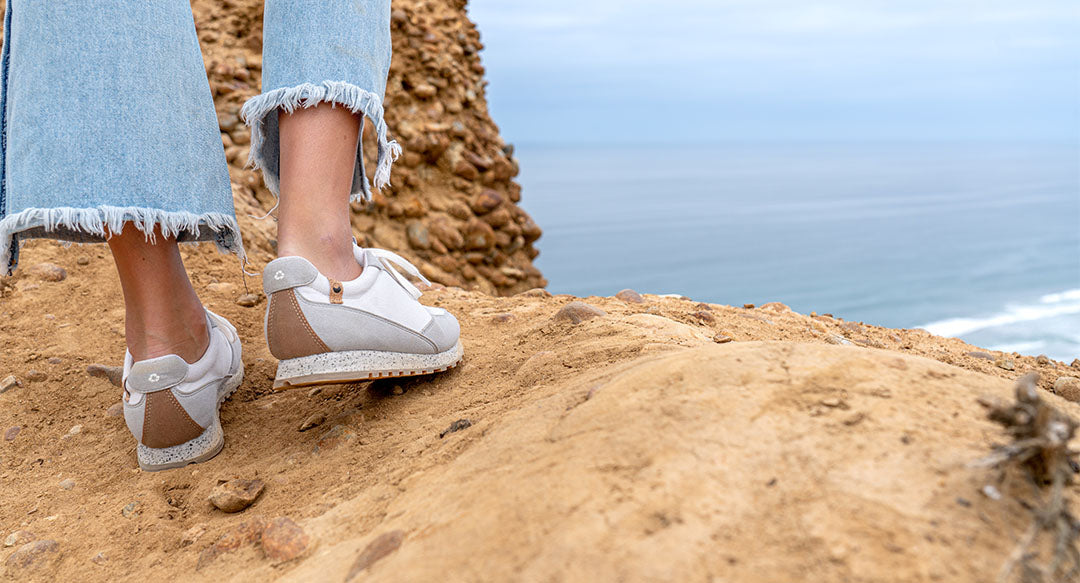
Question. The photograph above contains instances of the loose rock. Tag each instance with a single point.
(1042, 359)
(34, 556)
(67, 483)
(249, 300)
(132, 509)
(11, 432)
(313, 420)
(36, 376)
(235, 495)
(115, 410)
(578, 312)
(48, 272)
(246, 532)
(982, 355)
(18, 538)
(284, 540)
(192, 535)
(377, 549)
(630, 296)
(99, 559)
(1068, 387)
(417, 234)
(114, 374)
(9, 382)
(1006, 363)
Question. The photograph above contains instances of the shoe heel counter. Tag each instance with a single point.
(288, 332)
(164, 421)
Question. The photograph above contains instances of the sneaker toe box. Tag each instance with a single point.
(443, 330)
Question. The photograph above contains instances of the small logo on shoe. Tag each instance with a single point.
(280, 275)
(153, 377)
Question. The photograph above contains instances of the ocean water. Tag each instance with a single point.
(977, 241)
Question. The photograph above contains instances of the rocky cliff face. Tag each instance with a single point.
(452, 206)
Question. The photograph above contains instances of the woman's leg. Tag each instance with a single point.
(164, 315)
(318, 157)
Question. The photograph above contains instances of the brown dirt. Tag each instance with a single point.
(631, 446)
(660, 441)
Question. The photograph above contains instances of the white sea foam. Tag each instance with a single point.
(1050, 305)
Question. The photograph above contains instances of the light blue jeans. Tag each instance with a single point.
(106, 114)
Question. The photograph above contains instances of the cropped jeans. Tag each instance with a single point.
(106, 114)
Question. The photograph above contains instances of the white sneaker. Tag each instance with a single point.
(327, 331)
(171, 406)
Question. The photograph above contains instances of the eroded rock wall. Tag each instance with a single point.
(452, 206)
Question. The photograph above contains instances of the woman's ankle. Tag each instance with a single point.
(187, 337)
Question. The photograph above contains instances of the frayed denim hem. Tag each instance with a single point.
(258, 114)
(90, 225)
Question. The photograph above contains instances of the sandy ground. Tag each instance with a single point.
(632, 446)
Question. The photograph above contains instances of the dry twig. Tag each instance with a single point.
(1040, 449)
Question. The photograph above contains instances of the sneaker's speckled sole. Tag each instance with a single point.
(200, 449)
(361, 365)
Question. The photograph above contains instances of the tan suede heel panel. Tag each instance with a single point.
(166, 422)
(287, 330)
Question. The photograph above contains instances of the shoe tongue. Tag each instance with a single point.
(155, 374)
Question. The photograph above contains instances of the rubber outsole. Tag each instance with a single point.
(203, 448)
(361, 365)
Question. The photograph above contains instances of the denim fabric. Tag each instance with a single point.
(313, 52)
(106, 114)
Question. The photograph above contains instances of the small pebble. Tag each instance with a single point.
(982, 355)
(67, 483)
(748, 306)
(630, 296)
(192, 535)
(115, 410)
(832, 402)
(36, 376)
(10, 434)
(1006, 363)
(9, 382)
(48, 272)
(722, 339)
(578, 312)
(284, 540)
(19, 537)
(55, 360)
(99, 559)
(131, 509)
(38, 555)
(83, 260)
(1042, 359)
(1068, 387)
(235, 495)
(1075, 363)
(249, 300)
(313, 420)
(502, 318)
(114, 374)
(704, 316)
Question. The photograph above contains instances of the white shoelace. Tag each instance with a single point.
(388, 259)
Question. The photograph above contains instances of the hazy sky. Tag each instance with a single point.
(716, 70)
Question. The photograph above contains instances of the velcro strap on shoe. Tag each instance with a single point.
(287, 273)
(156, 374)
